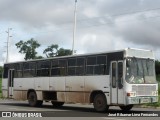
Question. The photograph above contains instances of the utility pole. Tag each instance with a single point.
(8, 40)
(74, 28)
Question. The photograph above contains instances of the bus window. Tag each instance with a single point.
(18, 70)
(29, 69)
(72, 66)
(62, 67)
(55, 68)
(43, 68)
(100, 68)
(80, 69)
(91, 63)
(5, 73)
(114, 74)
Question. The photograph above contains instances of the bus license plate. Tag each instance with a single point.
(145, 100)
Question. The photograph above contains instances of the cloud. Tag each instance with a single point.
(140, 30)
(99, 28)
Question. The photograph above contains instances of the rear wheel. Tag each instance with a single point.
(100, 103)
(57, 104)
(126, 108)
(32, 100)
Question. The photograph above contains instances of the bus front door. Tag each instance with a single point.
(117, 82)
(10, 83)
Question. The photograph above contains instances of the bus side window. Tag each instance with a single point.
(100, 68)
(72, 66)
(29, 69)
(62, 67)
(43, 68)
(5, 73)
(91, 63)
(55, 68)
(80, 66)
(114, 74)
(18, 68)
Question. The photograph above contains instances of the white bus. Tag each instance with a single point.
(119, 78)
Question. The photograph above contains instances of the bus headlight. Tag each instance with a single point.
(131, 94)
(155, 93)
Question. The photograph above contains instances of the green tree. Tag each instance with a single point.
(64, 52)
(51, 51)
(157, 67)
(1, 71)
(28, 48)
(54, 50)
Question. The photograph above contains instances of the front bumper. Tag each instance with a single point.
(141, 100)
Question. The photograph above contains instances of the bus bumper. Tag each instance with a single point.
(141, 100)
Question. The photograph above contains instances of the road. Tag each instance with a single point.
(70, 111)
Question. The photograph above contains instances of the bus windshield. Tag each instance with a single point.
(140, 71)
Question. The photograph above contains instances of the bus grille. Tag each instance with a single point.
(142, 90)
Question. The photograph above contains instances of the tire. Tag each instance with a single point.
(126, 108)
(57, 104)
(100, 103)
(32, 100)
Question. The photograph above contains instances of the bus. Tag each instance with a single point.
(117, 78)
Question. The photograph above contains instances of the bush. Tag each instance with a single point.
(1, 70)
(0, 87)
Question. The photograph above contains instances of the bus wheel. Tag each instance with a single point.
(32, 100)
(57, 104)
(126, 108)
(100, 103)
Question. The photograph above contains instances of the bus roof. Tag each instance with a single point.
(127, 54)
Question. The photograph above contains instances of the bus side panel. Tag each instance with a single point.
(21, 86)
(28, 83)
(5, 88)
(4, 84)
(97, 83)
(100, 83)
(61, 96)
(75, 89)
(57, 83)
(41, 83)
(17, 88)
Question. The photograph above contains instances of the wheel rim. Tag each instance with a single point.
(32, 99)
(100, 103)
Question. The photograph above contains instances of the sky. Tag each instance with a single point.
(102, 25)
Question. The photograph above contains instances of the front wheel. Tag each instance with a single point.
(100, 103)
(126, 108)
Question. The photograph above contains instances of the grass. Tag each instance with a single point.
(0, 87)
